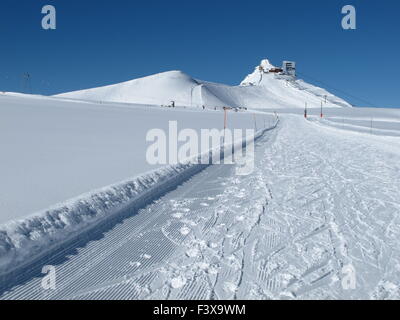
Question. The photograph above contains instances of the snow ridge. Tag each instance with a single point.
(261, 89)
(24, 241)
(255, 78)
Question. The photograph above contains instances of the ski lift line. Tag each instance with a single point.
(26, 83)
(339, 90)
(336, 89)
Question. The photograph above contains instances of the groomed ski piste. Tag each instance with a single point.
(77, 194)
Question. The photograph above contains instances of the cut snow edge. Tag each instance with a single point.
(27, 241)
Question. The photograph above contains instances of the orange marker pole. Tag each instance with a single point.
(322, 115)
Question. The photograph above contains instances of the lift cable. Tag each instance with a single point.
(369, 103)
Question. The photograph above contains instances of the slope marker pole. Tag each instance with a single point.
(225, 121)
(371, 124)
(305, 111)
(322, 115)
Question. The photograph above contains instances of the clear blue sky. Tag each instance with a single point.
(103, 42)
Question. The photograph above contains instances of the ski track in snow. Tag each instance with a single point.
(317, 201)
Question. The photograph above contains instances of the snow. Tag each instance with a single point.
(54, 150)
(323, 195)
(178, 282)
(285, 91)
(22, 240)
(375, 121)
(259, 90)
(192, 252)
(320, 198)
(317, 201)
(255, 78)
(69, 165)
(156, 89)
(185, 231)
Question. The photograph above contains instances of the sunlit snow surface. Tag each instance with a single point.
(320, 198)
(53, 150)
(324, 194)
(259, 90)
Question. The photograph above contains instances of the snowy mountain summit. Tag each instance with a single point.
(283, 81)
(267, 87)
(256, 77)
(266, 65)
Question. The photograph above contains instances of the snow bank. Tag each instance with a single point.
(380, 128)
(55, 149)
(26, 239)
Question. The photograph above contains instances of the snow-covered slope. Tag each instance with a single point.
(55, 149)
(255, 78)
(289, 90)
(320, 207)
(159, 89)
(67, 165)
(259, 90)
